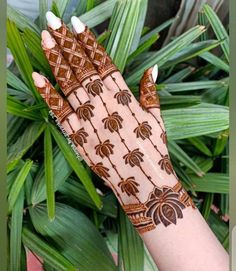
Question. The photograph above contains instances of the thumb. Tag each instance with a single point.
(148, 95)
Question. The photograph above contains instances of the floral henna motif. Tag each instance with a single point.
(79, 137)
(113, 122)
(166, 165)
(104, 149)
(85, 111)
(123, 97)
(100, 170)
(129, 186)
(94, 87)
(143, 130)
(163, 137)
(164, 206)
(134, 158)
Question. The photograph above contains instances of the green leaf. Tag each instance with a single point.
(157, 30)
(49, 174)
(16, 83)
(61, 6)
(211, 183)
(142, 47)
(75, 190)
(62, 171)
(45, 251)
(216, 61)
(16, 45)
(99, 14)
(21, 20)
(195, 121)
(43, 8)
(15, 233)
(18, 108)
(190, 86)
(23, 143)
(179, 101)
(76, 165)
(191, 51)
(221, 143)
(55, 9)
(200, 145)
(18, 184)
(75, 236)
(122, 26)
(218, 28)
(183, 157)
(163, 55)
(131, 245)
(179, 76)
(90, 5)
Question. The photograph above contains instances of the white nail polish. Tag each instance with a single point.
(155, 73)
(39, 80)
(53, 21)
(78, 26)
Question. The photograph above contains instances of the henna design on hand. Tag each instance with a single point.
(111, 130)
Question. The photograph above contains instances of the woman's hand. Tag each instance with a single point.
(121, 139)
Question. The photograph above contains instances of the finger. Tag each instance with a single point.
(149, 99)
(71, 50)
(66, 117)
(62, 72)
(96, 53)
(109, 73)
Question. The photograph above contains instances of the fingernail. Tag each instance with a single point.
(154, 73)
(78, 26)
(39, 80)
(53, 21)
(48, 41)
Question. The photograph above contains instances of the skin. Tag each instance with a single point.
(124, 142)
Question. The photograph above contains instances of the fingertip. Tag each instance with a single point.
(47, 40)
(53, 21)
(39, 80)
(78, 26)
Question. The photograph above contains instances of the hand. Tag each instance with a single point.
(121, 139)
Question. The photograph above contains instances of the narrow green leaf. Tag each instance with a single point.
(61, 6)
(43, 8)
(49, 174)
(16, 83)
(123, 27)
(200, 145)
(18, 108)
(191, 51)
(216, 61)
(183, 157)
(202, 20)
(21, 20)
(90, 5)
(55, 9)
(179, 76)
(76, 165)
(195, 121)
(163, 55)
(212, 183)
(218, 28)
(157, 30)
(132, 249)
(142, 47)
(75, 236)
(190, 86)
(62, 171)
(18, 184)
(206, 208)
(45, 251)
(15, 233)
(75, 190)
(99, 14)
(16, 45)
(221, 143)
(23, 143)
(179, 101)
